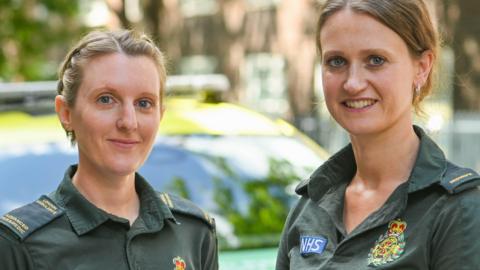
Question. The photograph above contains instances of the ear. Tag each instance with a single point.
(424, 67)
(63, 112)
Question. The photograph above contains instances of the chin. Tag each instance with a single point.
(124, 168)
(360, 128)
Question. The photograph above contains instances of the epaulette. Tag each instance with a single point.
(25, 220)
(186, 207)
(458, 179)
(302, 187)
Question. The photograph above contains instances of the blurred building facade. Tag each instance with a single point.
(267, 50)
(265, 47)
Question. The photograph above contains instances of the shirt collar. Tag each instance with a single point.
(153, 210)
(85, 216)
(430, 166)
(337, 170)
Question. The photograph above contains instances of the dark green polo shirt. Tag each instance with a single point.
(430, 222)
(69, 232)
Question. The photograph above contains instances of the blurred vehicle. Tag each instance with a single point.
(237, 164)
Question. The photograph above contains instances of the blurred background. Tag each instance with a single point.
(266, 48)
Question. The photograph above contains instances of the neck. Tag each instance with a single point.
(112, 193)
(386, 159)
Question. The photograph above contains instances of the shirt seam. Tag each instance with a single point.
(438, 210)
(446, 199)
(463, 217)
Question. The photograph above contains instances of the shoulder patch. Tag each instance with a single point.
(302, 187)
(458, 179)
(186, 207)
(25, 220)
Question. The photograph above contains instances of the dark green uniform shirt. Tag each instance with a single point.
(65, 231)
(430, 222)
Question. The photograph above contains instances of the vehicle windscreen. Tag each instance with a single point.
(247, 182)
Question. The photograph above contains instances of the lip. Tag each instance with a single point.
(124, 143)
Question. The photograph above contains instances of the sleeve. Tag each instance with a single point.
(13, 255)
(456, 238)
(210, 247)
(283, 261)
(283, 258)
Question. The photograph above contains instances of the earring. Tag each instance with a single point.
(417, 90)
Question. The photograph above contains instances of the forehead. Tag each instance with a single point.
(119, 70)
(357, 30)
(115, 61)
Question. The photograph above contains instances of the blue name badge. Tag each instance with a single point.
(312, 245)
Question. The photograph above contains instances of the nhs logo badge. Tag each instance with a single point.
(312, 244)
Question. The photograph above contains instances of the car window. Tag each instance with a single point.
(196, 166)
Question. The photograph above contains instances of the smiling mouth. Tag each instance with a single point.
(359, 104)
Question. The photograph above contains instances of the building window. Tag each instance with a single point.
(266, 84)
(198, 64)
(192, 8)
(262, 4)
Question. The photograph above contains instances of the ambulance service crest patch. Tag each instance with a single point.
(179, 264)
(389, 246)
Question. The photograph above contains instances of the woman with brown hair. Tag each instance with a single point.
(390, 199)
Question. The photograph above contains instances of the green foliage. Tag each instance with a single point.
(259, 221)
(268, 202)
(179, 187)
(34, 36)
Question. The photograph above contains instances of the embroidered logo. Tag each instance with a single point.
(179, 263)
(312, 244)
(389, 246)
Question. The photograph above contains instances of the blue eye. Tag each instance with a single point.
(376, 60)
(336, 62)
(145, 104)
(105, 99)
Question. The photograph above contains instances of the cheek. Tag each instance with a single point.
(99, 121)
(331, 87)
(402, 77)
(89, 123)
(400, 86)
(89, 129)
(332, 81)
(150, 126)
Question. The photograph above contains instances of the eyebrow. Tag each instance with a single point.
(155, 96)
(377, 51)
(363, 52)
(331, 53)
(114, 91)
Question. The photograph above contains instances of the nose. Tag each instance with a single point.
(127, 119)
(356, 81)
